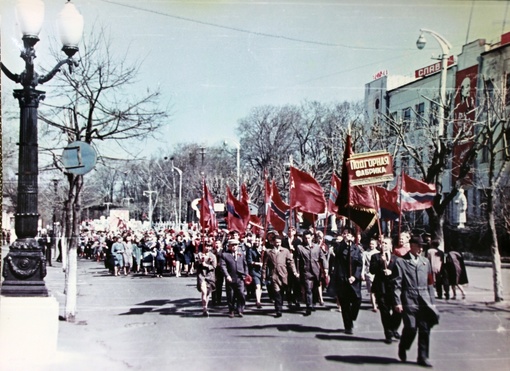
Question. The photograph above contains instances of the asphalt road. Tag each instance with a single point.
(146, 323)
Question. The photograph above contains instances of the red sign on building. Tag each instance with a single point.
(433, 68)
(464, 117)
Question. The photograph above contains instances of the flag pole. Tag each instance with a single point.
(202, 239)
(326, 223)
(266, 207)
(400, 203)
(376, 201)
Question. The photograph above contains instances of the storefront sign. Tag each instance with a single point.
(380, 74)
(433, 68)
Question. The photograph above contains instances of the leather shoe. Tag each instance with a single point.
(424, 362)
(396, 335)
(231, 315)
(349, 331)
(388, 341)
(308, 312)
(278, 315)
(402, 354)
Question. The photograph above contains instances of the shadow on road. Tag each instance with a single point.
(285, 328)
(178, 307)
(346, 338)
(360, 360)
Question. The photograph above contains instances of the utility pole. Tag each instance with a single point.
(149, 193)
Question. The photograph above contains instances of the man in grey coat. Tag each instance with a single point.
(276, 266)
(309, 259)
(414, 298)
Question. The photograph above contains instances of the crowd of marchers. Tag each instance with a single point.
(299, 269)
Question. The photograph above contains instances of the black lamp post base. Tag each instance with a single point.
(24, 270)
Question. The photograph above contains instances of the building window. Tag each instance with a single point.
(420, 111)
(406, 115)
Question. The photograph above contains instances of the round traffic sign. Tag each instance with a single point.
(79, 158)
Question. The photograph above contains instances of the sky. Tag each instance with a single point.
(216, 60)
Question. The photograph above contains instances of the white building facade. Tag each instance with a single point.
(413, 104)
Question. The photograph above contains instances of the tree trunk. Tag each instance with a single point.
(74, 236)
(436, 224)
(496, 257)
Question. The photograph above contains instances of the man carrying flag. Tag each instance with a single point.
(357, 203)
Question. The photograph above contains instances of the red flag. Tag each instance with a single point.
(255, 224)
(333, 194)
(356, 203)
(388, 203)
(207, 214)
(306, 194)
(278, 210)
(415, 194)
(238, 213)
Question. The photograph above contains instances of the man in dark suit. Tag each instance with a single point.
(345, 270)
(414, 297)
(308, 257)
(381, 266)
(234, 268)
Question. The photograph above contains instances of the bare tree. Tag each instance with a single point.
(493, 141)
(97, 104)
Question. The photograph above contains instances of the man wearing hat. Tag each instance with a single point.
(234, 268)
(414, 298)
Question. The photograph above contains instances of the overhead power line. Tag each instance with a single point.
(257, 33)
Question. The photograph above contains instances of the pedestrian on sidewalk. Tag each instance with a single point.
(436, 259)
(456, 273)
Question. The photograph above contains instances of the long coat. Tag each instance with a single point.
(345, 261)
(413, 289)
(279, 262)
(455, 268)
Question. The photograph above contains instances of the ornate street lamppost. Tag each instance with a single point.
(445, 51)
(25, 266)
